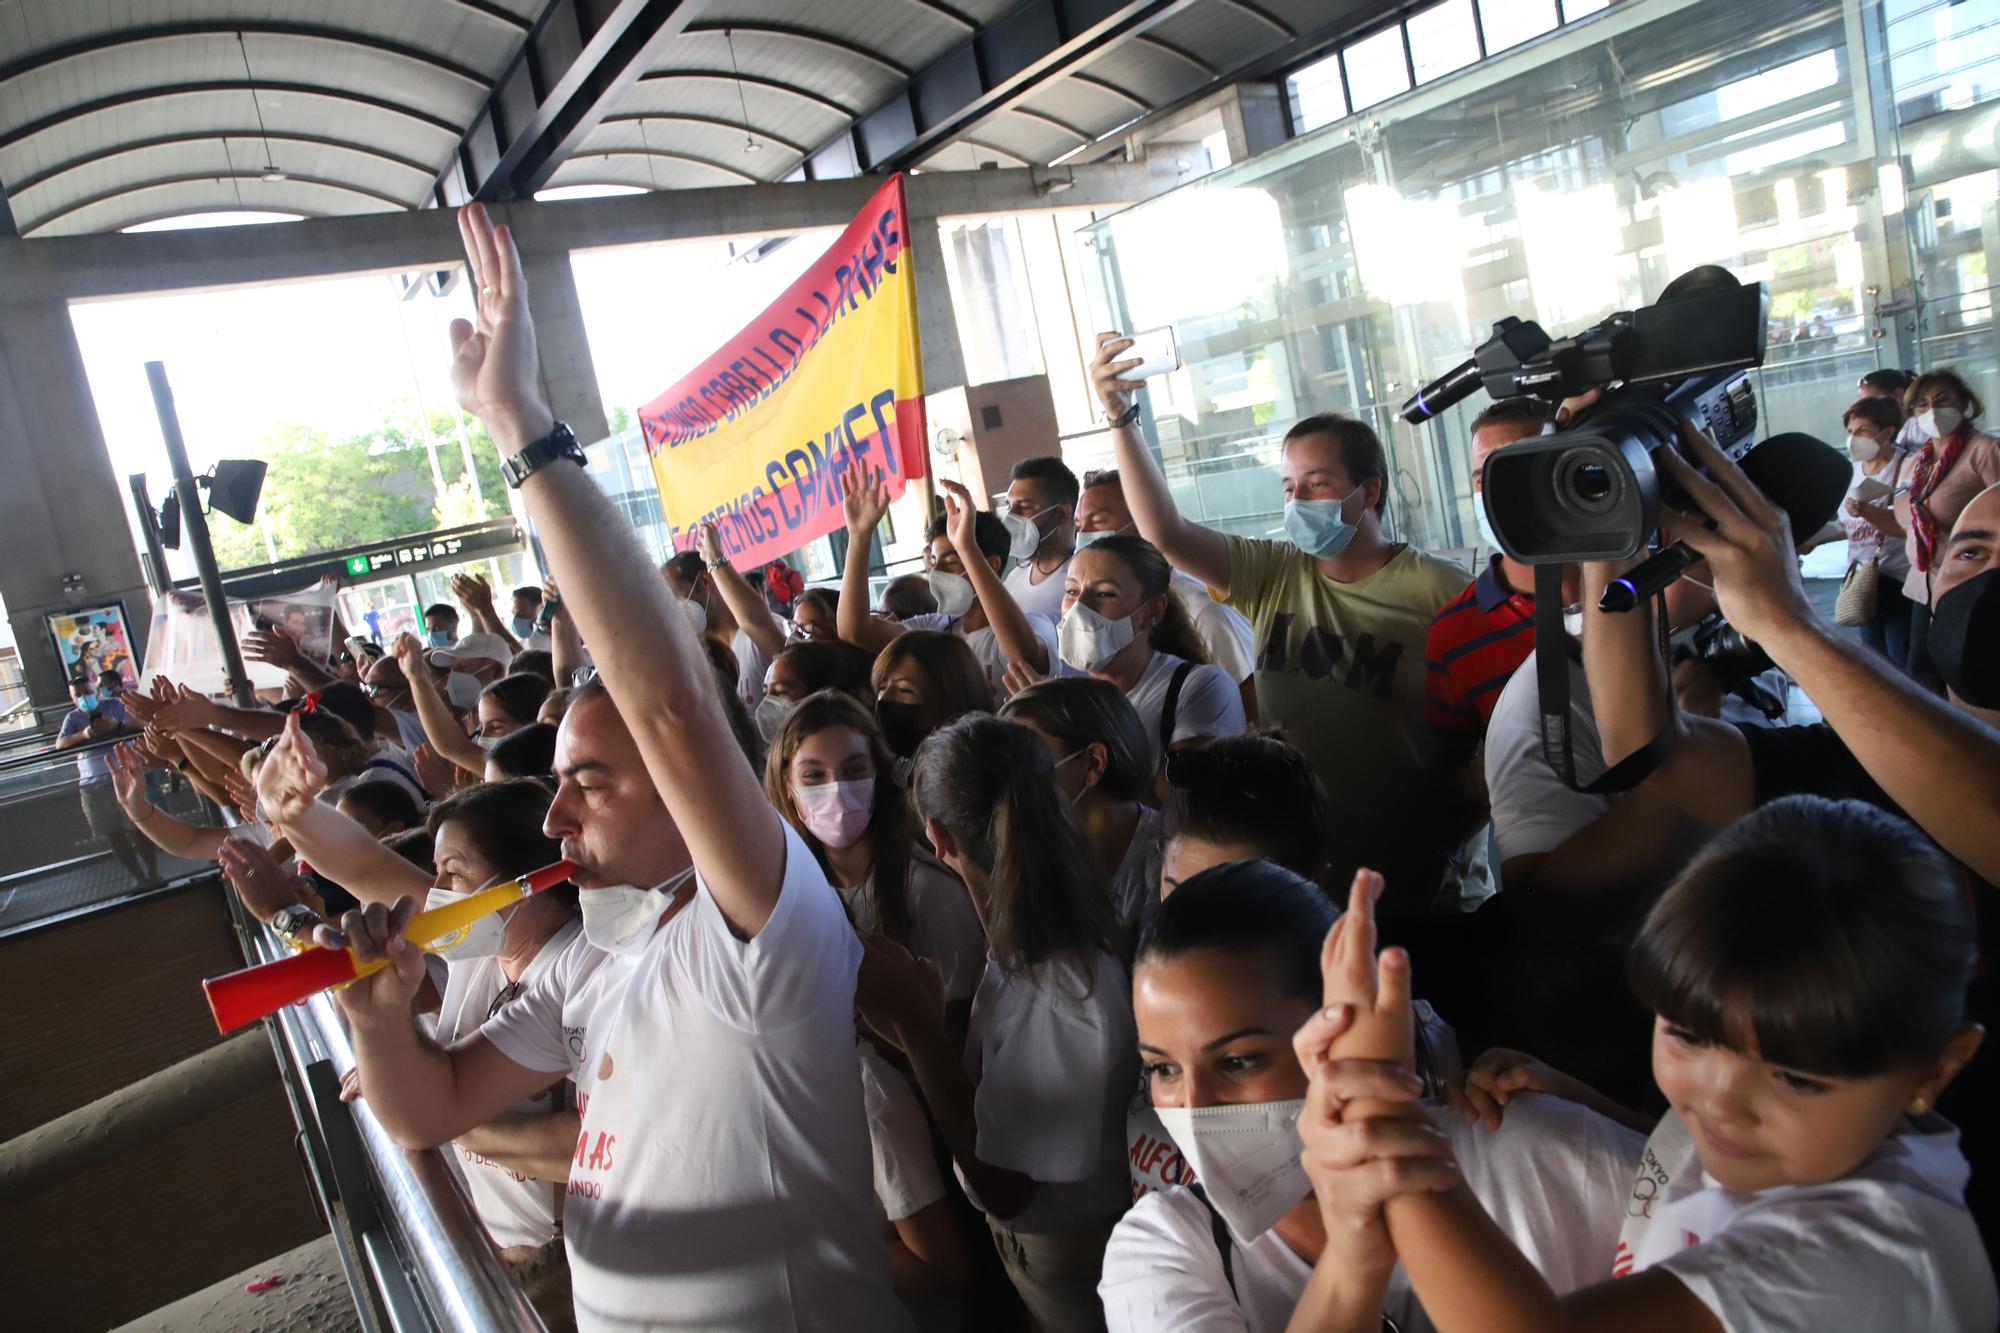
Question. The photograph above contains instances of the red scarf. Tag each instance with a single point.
(1932, 464)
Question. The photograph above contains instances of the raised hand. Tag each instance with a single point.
(376, 932)
(128, 777)
(961, 522)
(242, 794)
(408, 650)
(187, 712)
(864, 500)
(551, 597)
(494, 369)
(292, 775)
(710, 544)
(278, 650)
(472, 591)
(438, 775)
(1746, 540)
(1377, 990)
(1019, 676)
(264, 886)
(1105, 368)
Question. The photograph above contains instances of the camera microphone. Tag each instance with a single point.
(1453, 386)
(1795, 472)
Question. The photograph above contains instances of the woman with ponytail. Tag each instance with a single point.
(1122, 623)
(1038, 1132)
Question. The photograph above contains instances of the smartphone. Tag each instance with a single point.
(547, 615)
(361, 649)
(1159, 350)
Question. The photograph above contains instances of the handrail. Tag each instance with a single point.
(416, 1256)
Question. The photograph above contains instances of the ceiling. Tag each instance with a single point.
(117, 112)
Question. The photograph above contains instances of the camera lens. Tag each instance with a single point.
(1584, 483)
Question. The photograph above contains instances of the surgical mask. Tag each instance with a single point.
(1965, 639)
(770, 716)
(487, 742)
(462, 689)
(696, 613)
(87, 702)
(1939, 422)
(523, 626)
(1084, 539)
(1087, 640)
(481, 939)
(953, 591)
(837, 812)
(1317, 527)
(621, 919)
(1024, 534)
(1485, 522)
(902, 725)
(1246, 1157)
(439, 639)
(1863, 448)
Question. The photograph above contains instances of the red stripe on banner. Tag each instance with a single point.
(805, 501)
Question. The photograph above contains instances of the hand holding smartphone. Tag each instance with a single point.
(1159, 352)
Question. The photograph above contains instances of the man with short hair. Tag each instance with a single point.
(98, 716)
(441, 625)
(1101, 511)
(1040, 515)
(722, 1175)
(905, 596)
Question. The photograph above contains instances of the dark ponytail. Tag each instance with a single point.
(1175, 634)
(991, 784)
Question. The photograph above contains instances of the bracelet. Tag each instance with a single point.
(1127, 417)
(141, 819)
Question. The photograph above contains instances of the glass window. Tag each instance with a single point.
(1443, 39)
(1376, 70)
(1316, 95)
(1510, 22)
(1576, 9)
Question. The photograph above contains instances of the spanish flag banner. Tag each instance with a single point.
(828, 378)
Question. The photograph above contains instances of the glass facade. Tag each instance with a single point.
(1841, 151)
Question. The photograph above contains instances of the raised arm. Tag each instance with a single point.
(289, 784)
(1197, 551)
(565, 644)
(864, 501)
(752, 612)
(475, 594)
(443, 731)
(647, 652)
(1010, 623)
(281, 651)
(176, 837)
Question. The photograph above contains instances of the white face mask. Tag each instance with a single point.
(462, 689)
(1247, 1159)
(621, 919)
(953, 591)
(481, 939)
(487, 742)
(1479, 516)
(1024, 537)
(770, 716)
(837, 812)
(696, 613)
(1863, 448)
(1084, 539)
(1939, 422)
(1087, 640)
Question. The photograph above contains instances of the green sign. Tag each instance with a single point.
(357, 564)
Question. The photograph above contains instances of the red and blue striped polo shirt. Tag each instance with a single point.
(1476, 641)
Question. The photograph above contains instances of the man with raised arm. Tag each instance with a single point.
(722, 1176)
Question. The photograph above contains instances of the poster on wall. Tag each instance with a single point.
(757, 438)
(92, 640)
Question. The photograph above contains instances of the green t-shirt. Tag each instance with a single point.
(1340, 667)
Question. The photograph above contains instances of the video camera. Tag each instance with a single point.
(1593, 491)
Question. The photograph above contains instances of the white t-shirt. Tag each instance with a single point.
(985, 645)
(1054, 1054)
(751, 664)
(1231, 643)
(1135, 884)
(1038, 596)
(1153, 1160)
(943, 925)
(899, 1137)
(409, 729)
(722, 1179)
(517, 1209)
(1211, 704)
(1554, 1177)
(1891, 1246)
(1534, 810)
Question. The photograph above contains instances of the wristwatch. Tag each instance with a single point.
(1127, 417)
(294, 924)
(557, 444)
(720, 562)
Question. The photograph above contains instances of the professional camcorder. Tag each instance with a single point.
(1594, 490)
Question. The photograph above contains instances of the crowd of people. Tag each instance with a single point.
(1125, 924)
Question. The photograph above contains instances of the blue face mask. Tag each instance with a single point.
(439, 639)
(1317, 527)
(523, 626)
(87, 702)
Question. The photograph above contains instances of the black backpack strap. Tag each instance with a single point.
(1224, 1246)
(1170, 714)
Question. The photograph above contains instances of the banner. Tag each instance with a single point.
(828, 378)
(182, 645)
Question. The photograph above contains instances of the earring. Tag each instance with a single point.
(1920, 1105)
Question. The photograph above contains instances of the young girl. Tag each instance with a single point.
(805, 667)
(1121, 623)
(828, 775)
(1104, 765)
(1808, 971)
(923, 679)
(1037, 1130)
(1239, 798)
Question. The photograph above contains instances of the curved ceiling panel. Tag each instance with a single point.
(166, 199)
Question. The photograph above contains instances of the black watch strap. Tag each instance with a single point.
(1127, 417)
(558, 444)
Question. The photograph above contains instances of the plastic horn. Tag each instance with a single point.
(246, 996)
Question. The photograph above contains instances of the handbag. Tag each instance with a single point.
(1860, 594)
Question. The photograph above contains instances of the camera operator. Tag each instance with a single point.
(1885, 740)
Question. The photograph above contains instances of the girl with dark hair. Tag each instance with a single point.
(805, 667)
(1239, 798)
(1037, 1132)
(828, 775)
(1104, 765)
(1235, 1237)
(1121, 623)
(1808, 973)
(525, 752)
(923, 679)
(814, 615)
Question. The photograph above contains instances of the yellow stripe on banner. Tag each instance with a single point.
(868, 349)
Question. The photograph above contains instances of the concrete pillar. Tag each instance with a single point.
(568, 376)
(937, 320)
(62, 509)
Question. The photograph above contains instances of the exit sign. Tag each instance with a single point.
(357, 565)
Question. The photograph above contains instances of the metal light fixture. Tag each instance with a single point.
(271, 172)
(750, 144)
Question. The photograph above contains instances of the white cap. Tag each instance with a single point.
(473, 646)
